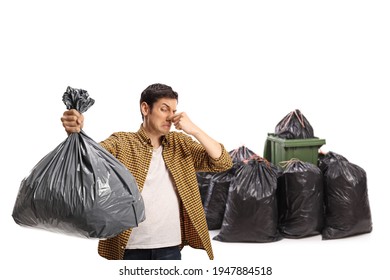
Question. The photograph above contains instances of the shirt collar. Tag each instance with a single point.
(146, 140)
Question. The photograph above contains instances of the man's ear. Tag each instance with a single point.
(145, 109)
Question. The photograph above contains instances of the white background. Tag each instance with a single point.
(239, 67)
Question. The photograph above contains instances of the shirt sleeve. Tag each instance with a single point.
(111, 144)
(224, 161)
(202, 160)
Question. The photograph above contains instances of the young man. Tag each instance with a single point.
(164, 164)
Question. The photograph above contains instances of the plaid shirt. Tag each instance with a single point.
(183, 157)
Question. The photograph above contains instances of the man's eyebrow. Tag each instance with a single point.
(168, 106)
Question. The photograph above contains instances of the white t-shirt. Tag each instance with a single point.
(161, 227)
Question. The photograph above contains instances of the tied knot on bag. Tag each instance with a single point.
(299, 116)
(284, 164)
(240, 154)
(294, 126)
(77, 99)
(258, 159)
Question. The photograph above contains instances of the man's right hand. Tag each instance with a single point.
(72, 120)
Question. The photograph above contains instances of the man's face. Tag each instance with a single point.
(156, 119)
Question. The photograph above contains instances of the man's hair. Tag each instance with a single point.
(155, 92)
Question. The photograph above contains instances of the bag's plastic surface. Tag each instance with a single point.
(204, 179)
(347, 208)
(79, 188)
(294, 126)
(251, 211)
(300, 200)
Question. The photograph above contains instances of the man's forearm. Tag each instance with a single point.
(212, 147)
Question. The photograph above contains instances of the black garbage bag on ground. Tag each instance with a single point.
(79, 188)
(251, 211)
(294, 126)
(215, 203)
(300, 200)
(214, 188)
(347, 208)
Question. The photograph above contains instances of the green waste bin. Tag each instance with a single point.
(277, 150)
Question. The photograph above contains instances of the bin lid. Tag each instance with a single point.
(296, 142)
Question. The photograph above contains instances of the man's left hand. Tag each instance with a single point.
(181, 121)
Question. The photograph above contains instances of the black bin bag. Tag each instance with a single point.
(79, 188)
(251, 211)
(215, 203)
(214, 188)
(294, 126)
(300, 200)
(347, 208)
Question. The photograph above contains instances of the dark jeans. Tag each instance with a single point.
(167, 253)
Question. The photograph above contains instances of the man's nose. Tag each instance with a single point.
(170, 116)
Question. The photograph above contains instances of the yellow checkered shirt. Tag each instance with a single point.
(183, 157)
